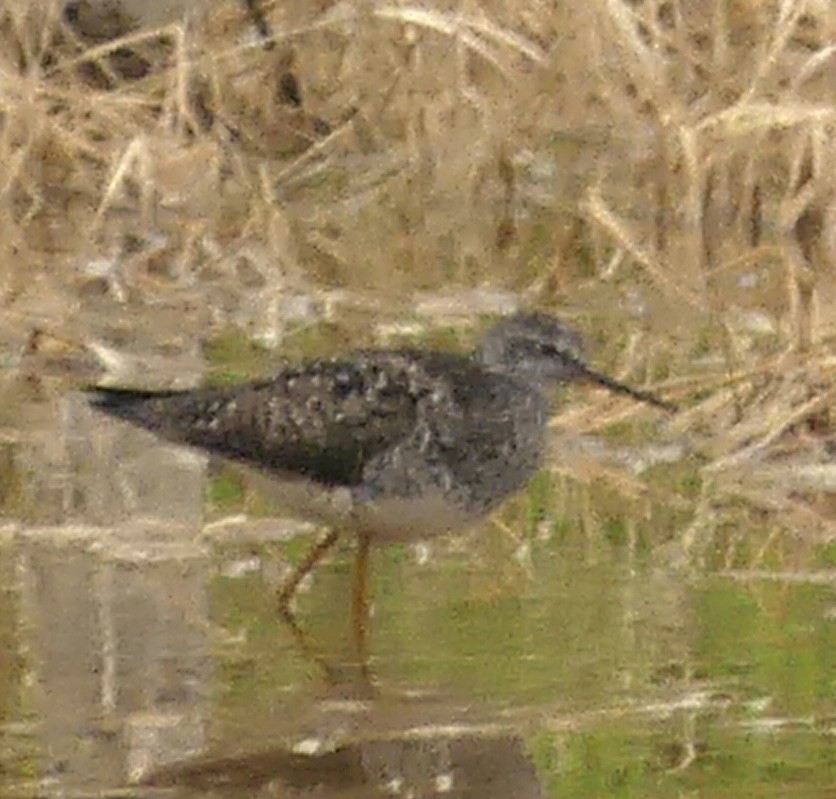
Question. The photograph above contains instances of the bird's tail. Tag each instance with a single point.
(141, 408)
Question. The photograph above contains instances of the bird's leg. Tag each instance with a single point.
(303, 569)
(309, 649)
(360, 604)
(285, 595)
(360, 615)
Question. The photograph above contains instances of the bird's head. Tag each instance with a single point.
(534, 347)
(539, 349)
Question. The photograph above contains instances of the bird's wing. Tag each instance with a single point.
(323, 420)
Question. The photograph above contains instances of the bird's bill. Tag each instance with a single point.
(621, 388)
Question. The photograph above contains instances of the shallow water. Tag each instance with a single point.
(141, 653)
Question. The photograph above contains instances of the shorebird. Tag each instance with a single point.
(393, 444)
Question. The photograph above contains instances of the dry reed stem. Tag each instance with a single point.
(604, 136)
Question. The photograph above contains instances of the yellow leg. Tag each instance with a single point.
(359, 613)
(285, 596)
(313, 557)
(360, 603)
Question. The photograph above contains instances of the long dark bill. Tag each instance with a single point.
(620, 388)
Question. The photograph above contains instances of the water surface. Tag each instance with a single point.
(141, 646)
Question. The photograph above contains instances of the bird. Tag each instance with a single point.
(396, 444)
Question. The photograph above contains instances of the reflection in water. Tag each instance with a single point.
(81, 471)
(425, 766)
(122, 662)
(124, 681)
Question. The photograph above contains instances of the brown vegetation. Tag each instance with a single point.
(660, 170)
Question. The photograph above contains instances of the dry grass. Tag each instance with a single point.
(662, 171)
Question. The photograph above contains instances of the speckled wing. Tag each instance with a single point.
(426, 434)
(324, 420)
